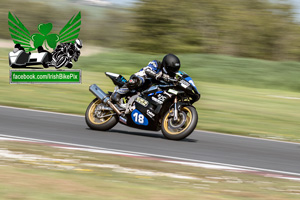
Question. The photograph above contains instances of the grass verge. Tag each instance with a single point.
(33, 171)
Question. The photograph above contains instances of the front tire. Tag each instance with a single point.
(92, 117)
(187, 122)
(61, 61)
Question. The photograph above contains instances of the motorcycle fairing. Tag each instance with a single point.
(151, 89)
(150, 120)
(148, 106)
(190, 80)
(191, 87)
(149, 113)
(149, 125)
(138, 118)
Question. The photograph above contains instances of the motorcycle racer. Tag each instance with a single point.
(63, 50)
(164, 70)
(166, 106)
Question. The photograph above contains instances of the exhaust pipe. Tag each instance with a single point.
(99, 93)
(103, 96)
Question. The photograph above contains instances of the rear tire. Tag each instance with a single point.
(101, 124)
(187, 122)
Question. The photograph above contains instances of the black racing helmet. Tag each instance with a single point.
(171, 63)
(78, 44)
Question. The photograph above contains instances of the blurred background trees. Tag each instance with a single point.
(257, 28)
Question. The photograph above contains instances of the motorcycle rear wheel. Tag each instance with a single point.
(178, 130)
(96, 123)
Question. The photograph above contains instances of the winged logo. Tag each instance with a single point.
(20, 34)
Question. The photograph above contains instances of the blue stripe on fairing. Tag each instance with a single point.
(190, 80)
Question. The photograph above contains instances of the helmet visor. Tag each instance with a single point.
(174, 68)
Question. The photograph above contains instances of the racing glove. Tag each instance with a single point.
(152, 74)
(166, 77)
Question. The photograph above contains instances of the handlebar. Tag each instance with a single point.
(173, 80)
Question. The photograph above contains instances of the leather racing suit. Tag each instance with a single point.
(152, 70)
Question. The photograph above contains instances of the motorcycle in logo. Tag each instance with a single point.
(166, 106)
(63, 54)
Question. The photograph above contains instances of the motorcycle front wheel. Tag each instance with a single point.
(102, 120)
(183, 127)
(61, 61)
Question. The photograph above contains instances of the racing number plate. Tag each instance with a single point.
(184, 84)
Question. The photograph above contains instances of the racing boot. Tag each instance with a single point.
(116, 96)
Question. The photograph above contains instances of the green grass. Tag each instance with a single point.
(231, 105)
(40, 180)
(208, 68)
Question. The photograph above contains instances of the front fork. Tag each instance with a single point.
(175, 110)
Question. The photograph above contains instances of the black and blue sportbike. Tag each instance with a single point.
(163, 106)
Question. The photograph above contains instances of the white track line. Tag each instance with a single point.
(248, 137)
(211, 132)
(41, 111)
(154, 155)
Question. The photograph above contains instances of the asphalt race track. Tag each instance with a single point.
(200, 145)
